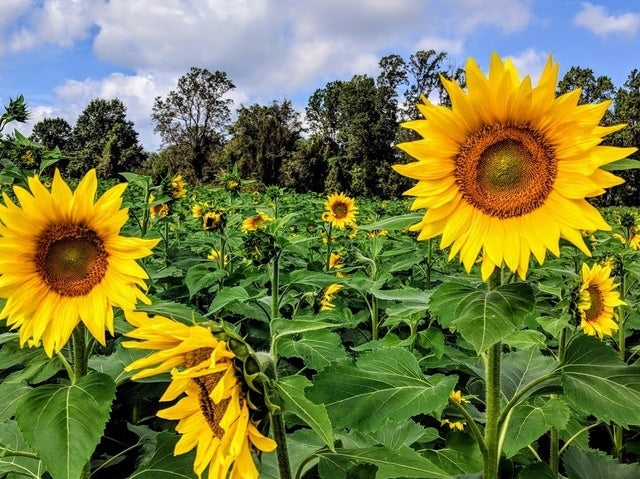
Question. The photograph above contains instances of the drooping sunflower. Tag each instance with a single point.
(213, 221)
(504, 173)
(215, 413)
(340, 210)
(326, 303)
(63, 262)
(160, 210)
(178, 187)
(254, 223)
(597, 300)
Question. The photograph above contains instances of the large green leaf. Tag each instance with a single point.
(317, 348)
(521, 368)
(483, 317)
(202, 276)
(10, 396)
(392, 463)
(11, 437)
(114, 364)
(313, 278)
(531, 420)
(172, 310)
(597, 382)
(291, 391)
(64, 423)
(406, 294)
(163, 464)
(384, 383)
(392, 224)
(596, 465)
(461, 457)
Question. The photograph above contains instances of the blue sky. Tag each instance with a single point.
(62, 53)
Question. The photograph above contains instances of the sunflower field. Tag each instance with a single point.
(487, 328)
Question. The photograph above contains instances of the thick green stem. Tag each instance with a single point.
(280, 436)
(492, 399)
(554, 438)
(617, 430)
(80, 356)
(491, 432)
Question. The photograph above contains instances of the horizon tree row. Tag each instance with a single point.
(344, 142)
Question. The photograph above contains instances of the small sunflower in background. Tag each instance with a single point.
(62, 261)
(196, 210)
(340, 211)
(214, 412)
(257, 222)
(178, 187)
(453, 425)
(214, 221)
(597, 300)
(326, 303)
(505, 172)
(160, 210)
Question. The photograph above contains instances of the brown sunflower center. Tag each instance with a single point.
(340, 210)
(71, 259)
(597, 304)
(212, 412)
(506, 171)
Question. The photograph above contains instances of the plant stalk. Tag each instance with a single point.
(492, 399)
(275, 286)
(328, 259)
(618, 440)
(280, 436)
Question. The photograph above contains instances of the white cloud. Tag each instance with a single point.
(530, 62)
(453, 46)
(596, 19)
(508, 15)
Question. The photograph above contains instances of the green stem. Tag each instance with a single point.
(374, 318)
(571, 439)
(554, 438)
(80, 356)
(328, 259)
(429, 255)
(492, 399)
(617, 430)
(275, 287)
(491, 436)
(5, 451)
(516, 399)
(280, 436)
(472, 424)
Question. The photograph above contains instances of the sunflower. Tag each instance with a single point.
(62, 261)
(456, 396)
(597, 300)
(326, 303)
(453, 425)
(504, 173)
(160, 210)
(213, 221)
(254, 223)
(214, 413)
(340, 210)
(196, 210)
(178, 187)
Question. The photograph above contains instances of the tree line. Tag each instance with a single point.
(343, 142)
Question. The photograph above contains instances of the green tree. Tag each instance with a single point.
(52, 132)
(423, 71)
(102, 122)
(195, 116)
(263, 137)
(306, 168)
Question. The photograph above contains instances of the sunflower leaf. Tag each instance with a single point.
(11, 437)
(63, 424)
(384, 383)
(202, 276)
(392, 463)
(291, 391)
(596, 465)
(163, 464)
(531, 420)
(317, 348)
(482, 317)
(597, 382)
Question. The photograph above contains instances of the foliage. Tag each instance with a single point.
(194, 117)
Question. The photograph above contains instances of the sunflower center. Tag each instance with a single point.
(340, 211)
(71, 259)
(505, 170)
(597, 304)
